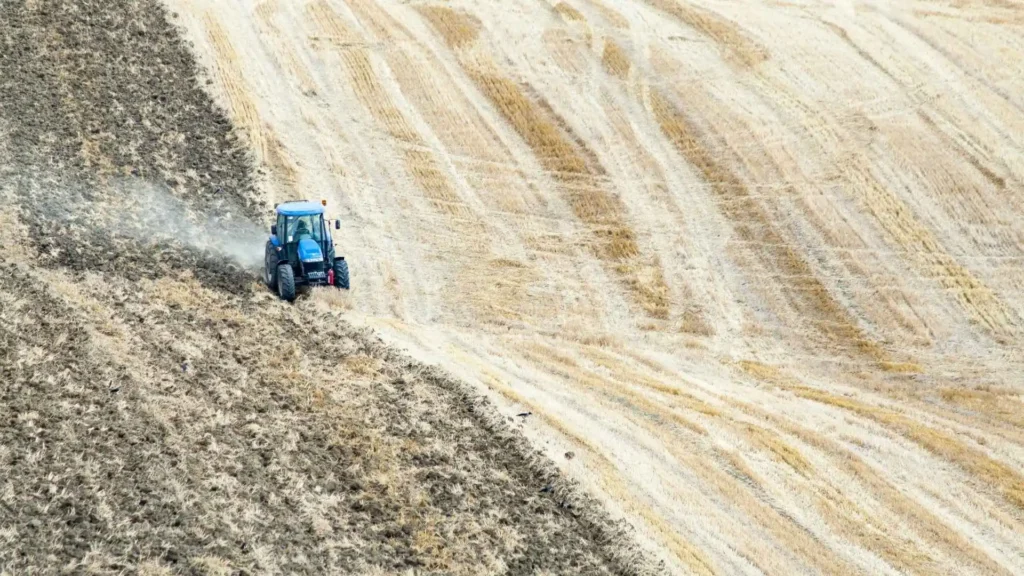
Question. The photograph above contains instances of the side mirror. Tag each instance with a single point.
(273, 229)
(337, 224)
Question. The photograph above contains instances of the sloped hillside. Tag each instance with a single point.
(757, 265)
(160, 411)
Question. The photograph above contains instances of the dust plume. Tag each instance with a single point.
(146, 214)
(224, 230)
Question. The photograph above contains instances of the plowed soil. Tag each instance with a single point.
(160, 410)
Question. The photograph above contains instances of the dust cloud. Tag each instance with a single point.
(146, 214)
(226, 231)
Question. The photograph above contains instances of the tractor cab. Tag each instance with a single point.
(300, 250)
(298, 221)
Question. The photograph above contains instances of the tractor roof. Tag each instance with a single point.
(299, 208)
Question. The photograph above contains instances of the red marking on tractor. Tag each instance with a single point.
(330, 276)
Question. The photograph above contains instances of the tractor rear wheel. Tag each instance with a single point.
(286, 282)
(269, 274)
(341, 274)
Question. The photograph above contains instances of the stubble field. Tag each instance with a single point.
(755, 266)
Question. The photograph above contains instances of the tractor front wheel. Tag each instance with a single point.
(341, 274)
(286, 282)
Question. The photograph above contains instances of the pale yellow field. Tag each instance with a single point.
(757, 264)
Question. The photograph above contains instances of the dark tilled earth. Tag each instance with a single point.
(160, 412)
(97, 94)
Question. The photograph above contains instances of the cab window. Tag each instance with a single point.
(282, 233)
(308, 226)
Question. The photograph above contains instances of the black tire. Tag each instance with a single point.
(269, 273)
(286, 282)
(341, 274)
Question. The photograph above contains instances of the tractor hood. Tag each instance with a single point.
(309, 251)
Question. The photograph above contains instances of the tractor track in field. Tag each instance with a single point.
(160, 412)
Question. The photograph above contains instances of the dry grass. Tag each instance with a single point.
(458, 28)
(739, 489)
(281, 165)
(898, 219)
(615, 59)
(449, 113)
(964, 151)
(891, 307)
(771, 442)
(13, 234)
(932, 528)
(1009, 482)
(267, 12)
(877, 529)
(554, 150)
(754, 225)
(694, 319)
(243, 109)
(901, 367)
(502, 291)
(610, 480)
(1004, 405)
(862, 525)
(731, 477)
(610, 15)
(363, 365)
(419, 160)
(629, 374)
(377, 22)
(569, 13)
(874, 534)
(841, 511)
(647, 283)
(376, 99)
(614, 241)
(569, 54)
(555, 363)
(735, 480)
(739, 47)
(333, 28)
(912, 233)
(695, 322)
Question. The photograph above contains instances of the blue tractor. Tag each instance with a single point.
(300, 251)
